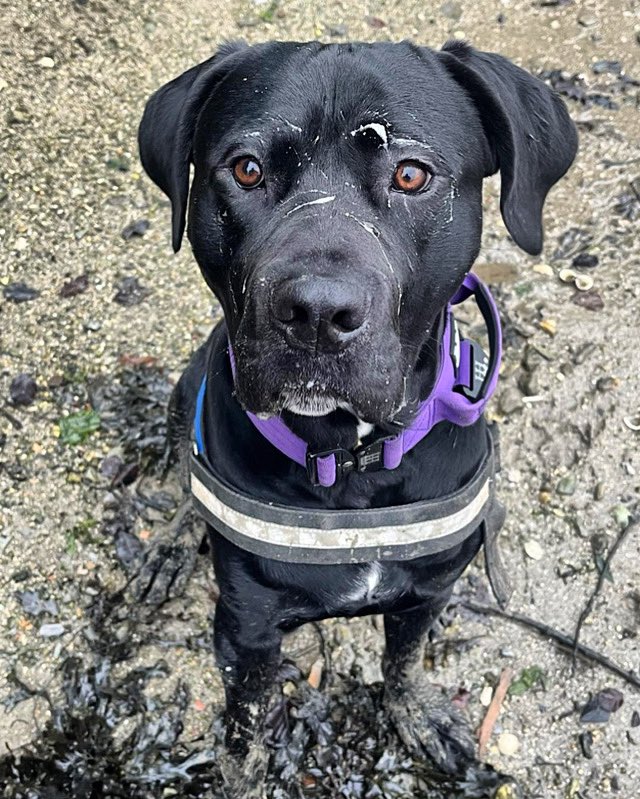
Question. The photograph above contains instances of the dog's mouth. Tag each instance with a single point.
(266, 385)
(309, 399)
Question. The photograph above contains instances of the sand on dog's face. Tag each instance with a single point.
(72, 182)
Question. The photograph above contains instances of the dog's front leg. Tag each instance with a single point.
(425, 719)
(247, 645)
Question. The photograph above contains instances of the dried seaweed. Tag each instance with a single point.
(323, 745)
(134, 407)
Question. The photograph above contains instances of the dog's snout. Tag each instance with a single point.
(320, 313)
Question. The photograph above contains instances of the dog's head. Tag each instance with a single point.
(336, 203)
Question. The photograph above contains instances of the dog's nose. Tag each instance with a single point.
(320, 313)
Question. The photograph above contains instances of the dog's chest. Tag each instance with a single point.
(369, 584)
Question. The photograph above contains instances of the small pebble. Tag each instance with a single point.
(586, 742)
(22, 390)
(510, 401)
(46, 62)
(51, 630)
(566, 486)
(20, 292)
(587, 20)
(549, 326)
(508, 744)
(486, 696)
(533, 550)
(585, 261)
(543, 269)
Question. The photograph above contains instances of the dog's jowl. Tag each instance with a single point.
(331, 428)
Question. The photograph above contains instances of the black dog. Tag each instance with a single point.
(335, 209)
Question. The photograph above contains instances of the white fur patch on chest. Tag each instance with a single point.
(368, 582)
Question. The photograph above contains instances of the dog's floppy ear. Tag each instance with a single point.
(166, 131)
(531, 135)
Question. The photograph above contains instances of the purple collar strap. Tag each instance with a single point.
(466, 380)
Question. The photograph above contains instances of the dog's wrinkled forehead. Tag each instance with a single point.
(338, 98)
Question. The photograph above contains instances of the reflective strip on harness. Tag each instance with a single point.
(305, 535)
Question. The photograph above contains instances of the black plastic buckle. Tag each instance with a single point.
(369, 458)
(474, 384)
(345, 462)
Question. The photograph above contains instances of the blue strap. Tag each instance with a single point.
(197, 421)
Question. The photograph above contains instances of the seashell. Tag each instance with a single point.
(583, 282)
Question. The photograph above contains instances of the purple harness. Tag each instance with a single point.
(466, 380)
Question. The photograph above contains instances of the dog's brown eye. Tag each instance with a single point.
(247, 172)
(410, 177)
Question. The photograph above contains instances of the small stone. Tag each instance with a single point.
(135, 229)
(601, 705)
(51, 630)
(635, 719)
(20, 244)
(46, 62)
(92, 325)
(508, 744)
(607, 383)
(566, 485)
(606, 66)
(543, 269)
(586, 741)
(18, 116)
(338, 30)
(533, 550)
(555, 24)
(22, 390)
(585, 261)
(587, 20)
(591, 300)
(20, 292)
(510, 401)
(549, 326)
(459, 36)
(599, 491)
(78, 285)
(621, 514)
(486, 696)
(130, 291)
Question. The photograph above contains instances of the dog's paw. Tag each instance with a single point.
(169, 562)
(244, 778)
(429, 724)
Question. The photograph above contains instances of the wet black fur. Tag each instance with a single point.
(294, 106)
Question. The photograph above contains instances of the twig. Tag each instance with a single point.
(325, 654)
(493, 711)
(603, 572)
(565, 641)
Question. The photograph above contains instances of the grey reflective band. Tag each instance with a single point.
(304, 535)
